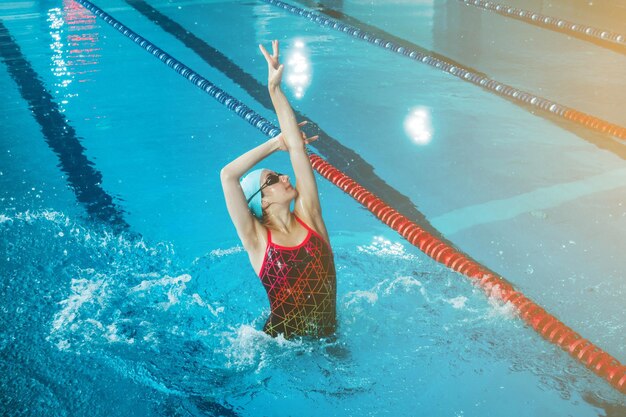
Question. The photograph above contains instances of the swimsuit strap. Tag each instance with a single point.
(303, 224)
(307, 227)
(269, 236)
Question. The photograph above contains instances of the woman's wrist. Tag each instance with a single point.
(273, 88)
(274, 144)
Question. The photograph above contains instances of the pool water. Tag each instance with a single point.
(125, 290)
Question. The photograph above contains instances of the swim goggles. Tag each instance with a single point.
(271, 179)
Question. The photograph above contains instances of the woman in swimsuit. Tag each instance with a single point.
(289, 251)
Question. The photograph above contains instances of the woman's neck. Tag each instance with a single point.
(281, 220)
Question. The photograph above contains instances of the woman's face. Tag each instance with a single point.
(280, 192)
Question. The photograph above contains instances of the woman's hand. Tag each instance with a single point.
(274, 67)
(282, 146)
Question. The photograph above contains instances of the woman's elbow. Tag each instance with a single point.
(225, 174)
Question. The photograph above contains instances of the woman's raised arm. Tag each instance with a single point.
(248, 227)
(307, 202)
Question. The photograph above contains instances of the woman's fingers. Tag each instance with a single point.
(311, 139)
(303, 134)
(275, 49)
(264, 51)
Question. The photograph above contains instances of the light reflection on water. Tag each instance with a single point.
(74, 42)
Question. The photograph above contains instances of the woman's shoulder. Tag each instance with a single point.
(313, 222)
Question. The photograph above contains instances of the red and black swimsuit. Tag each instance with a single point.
(301, 286)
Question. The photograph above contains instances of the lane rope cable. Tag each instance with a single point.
(606, 38)
(480, 80)
(544, 323)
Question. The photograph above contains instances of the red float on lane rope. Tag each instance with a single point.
(548, 326)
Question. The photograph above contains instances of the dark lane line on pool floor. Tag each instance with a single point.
(603, 134)
(333, 151)
(551, 328)
(82, 177)
(61, 137)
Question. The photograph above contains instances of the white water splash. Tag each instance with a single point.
(385, 248)
(405, 283)
(51, 215)
(224, 252)
(457, 302)
(248, 347)
(358, 295)
(500, 310)
(176, 284)
(214, 310)
(386, 288)
(83, 291)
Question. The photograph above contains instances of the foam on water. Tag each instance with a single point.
(383, 247)
(247, 347)
(83, 291)
(458, 302)
(175, 288)
(354, 297)
(189, 330)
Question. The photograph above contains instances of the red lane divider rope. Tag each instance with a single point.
(544, 323)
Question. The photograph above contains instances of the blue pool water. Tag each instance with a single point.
(126, 292)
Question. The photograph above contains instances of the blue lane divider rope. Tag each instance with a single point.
(207, 86)
(492, 85)
(431, 245)
(561, 25)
